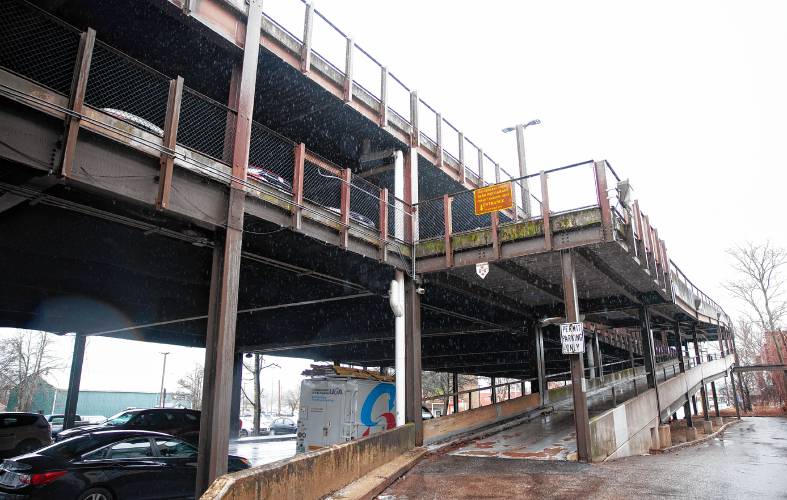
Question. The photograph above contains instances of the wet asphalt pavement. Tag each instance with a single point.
(748, 461)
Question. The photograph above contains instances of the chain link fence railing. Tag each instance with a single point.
(365, 202)
(206, 126)
(37, 46)
(271, 157)
(127, 89)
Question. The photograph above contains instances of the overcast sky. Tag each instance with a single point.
(687, 99)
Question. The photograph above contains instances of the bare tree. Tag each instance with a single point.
(255, 368)
(191, 384)
(437, 386)
(759, 283)
(293, 399)
(26, 358)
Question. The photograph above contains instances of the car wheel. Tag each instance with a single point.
(96, 494)
(244, 433)
(27, 446)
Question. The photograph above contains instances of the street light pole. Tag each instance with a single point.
(520, 149)
(163, 371)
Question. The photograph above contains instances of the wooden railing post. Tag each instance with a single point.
(545, 211)
(383, 96)
(344, 232)
(415, 135)
(348, 71)
(167, 158)
(495, 235)
(600, 168)
(461, 157)
(306, 48)
(481, 182)
(383, 224)
(439, 139)
(76, 100)
(297, 185)
(448, 229)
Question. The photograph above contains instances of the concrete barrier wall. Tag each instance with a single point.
(626, 429)
(464, 421)
(457, 423)
(316, 474)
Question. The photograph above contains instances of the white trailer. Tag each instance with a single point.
(342, 404)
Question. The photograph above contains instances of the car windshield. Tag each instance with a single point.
(120, 419)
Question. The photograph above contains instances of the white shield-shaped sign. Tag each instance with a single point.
(482, 269)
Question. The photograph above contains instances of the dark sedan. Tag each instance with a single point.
(179, 422)
(107, 465)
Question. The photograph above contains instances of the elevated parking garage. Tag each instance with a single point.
(225, 185)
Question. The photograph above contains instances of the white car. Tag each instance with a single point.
(247, 426)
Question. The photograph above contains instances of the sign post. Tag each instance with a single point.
(572, 338)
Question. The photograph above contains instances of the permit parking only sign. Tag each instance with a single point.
(572, 338)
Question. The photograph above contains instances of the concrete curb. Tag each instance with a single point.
(695, 442)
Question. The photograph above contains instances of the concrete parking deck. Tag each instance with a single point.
(748, 461)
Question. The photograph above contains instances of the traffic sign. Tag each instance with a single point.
(572, 338)
(482, 269)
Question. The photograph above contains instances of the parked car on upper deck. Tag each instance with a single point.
(22, 432)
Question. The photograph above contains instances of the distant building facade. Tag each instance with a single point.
(49, 399)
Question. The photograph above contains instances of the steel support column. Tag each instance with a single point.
(650, 356)
(543, 391)
(455, 377)
(715, 398)
(412, 304)
(598, 361)
(223, 303)
(682, 366)
(493, 383)
(703, 392)
(237, 381)
(581, 418)
(74, 378)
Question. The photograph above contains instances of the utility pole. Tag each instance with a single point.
(163, 371)
(279, 411)
(520, 148)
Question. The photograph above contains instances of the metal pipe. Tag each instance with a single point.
(397, 305)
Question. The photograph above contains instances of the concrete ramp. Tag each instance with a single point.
(626, 429)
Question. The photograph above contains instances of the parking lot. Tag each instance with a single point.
(260, 451)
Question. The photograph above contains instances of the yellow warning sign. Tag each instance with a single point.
(493, 198)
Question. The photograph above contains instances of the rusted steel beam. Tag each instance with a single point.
(581, 417)
(411, 194)
(495, 235)
(383, 96)
(167, 159)
(448, 230)
(461, 158)
(413, 389)
(323, 164)
(530, 278)
(600, 169)
(344, 232)
(223, 303)
(548, 244)
(306, 47)
(415, 135)
(76, 100)
(597, 262)
(297, 185)
(383, 224)
(348, 71)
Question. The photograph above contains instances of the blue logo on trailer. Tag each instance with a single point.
(368, 406)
